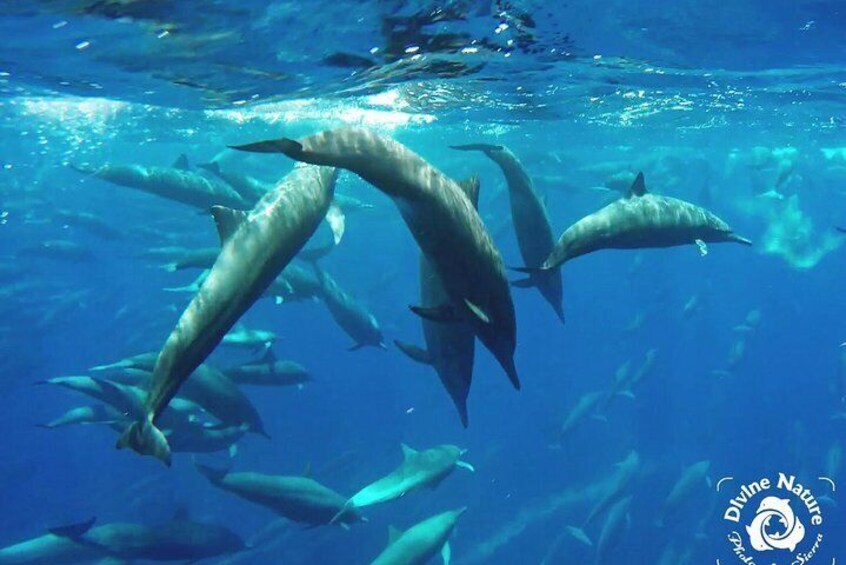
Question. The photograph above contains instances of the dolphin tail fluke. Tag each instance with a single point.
(580, 535)
(145, 438)
(736, 238)
(83, 169)
(484, 147)
(73, 531)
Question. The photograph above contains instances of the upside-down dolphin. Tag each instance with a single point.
(442, 220)
(639, 220)
(269, 371)
(300, 499)
(450, 348)
(256, 248)
(421, 542)
(419, 469)
(531, 222)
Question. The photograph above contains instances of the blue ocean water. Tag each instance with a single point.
(737, 107)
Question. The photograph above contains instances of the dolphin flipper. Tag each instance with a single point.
(442, 313)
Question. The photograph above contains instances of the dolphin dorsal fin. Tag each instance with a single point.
(638, 187)
(227, 221)
(408, 452)
(181, 162)
(393, 534)
(73, 531)
(470, 187)
(269, 357)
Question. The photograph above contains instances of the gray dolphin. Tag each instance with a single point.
(269, 371)
(442, 220)
(636, 221)
(450, 348)
(350, 315)
(202, 258)
(177, 540)
(294, 284)
(531, 222)
(93, 414)
(173, 183)
(256, 248)
(421, 542)
(250, 188)
(300, 499)
(419, 469)
(696, 475)
(613, 530)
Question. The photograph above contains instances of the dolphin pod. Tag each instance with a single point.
(531, 222)
(461, 251)
(256, 247)
(450, 348)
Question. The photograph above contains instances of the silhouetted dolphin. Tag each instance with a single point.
(300, 499)
(531, 222)
(350, 315)
(442, 220)
(256, 248)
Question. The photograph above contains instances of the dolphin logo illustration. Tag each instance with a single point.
(759, 536)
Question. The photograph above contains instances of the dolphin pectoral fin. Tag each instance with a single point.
(73, 531)
(478, 312)
(446, 553)
(527, 282)
(145, 438)
(283, 145)
(529, 270)
(486, 147)
(393, 534)
(443, 313)
(355, 347)
(738, 239)
(414, 352)
(628, 394)
(335, 219)
(227, 221)
(580, 535)
(408, 452)
(465, 465)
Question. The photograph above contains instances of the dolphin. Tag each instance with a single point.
(615, 526)
(300, 499)
(350, 315)
(249, 338)
(586, 405)
(177, 540)
(419, 469)
(691, 478)
(190, 436)
(174, 183)
(450, 348)
(421, 542)
(531, 222)
(91, 222)
(441, 219)
(256, 248)
(60, 249)
(93, 414)
(250, 188)
(269, 371)
(639, 220)
(294, 284)
(144, 361)
(202, 258)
